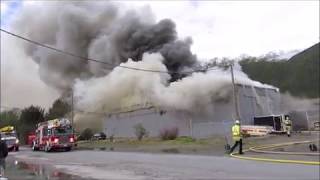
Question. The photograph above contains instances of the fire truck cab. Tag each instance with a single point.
(53, 135)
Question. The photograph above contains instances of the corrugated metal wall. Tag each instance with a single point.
(122, 125)
(217, 119)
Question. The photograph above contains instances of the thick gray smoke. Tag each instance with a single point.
(20, 82)
(123, 88)
(108, 33)
(101, 31)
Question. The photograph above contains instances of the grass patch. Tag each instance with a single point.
(180, 144)
(185, 140)
(185, 145)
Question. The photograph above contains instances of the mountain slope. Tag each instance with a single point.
(299, 75)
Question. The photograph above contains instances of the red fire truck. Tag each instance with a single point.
(31, 136)
(53, 135)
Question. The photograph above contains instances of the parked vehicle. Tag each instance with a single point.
(9, 135)
(53, 135)
(30, 138)
(99, 136)
(275, 121)
(249, 130)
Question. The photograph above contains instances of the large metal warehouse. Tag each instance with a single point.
(215, 119)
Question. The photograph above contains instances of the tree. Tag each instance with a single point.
(28, 120)
(299, 75)
(59, 109)
(10, 117)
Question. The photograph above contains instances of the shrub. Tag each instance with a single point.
(169, 133)
(140, 131)
(111, 137)
(185, 140)
(86, 134)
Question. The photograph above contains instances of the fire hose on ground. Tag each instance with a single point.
(259, 149)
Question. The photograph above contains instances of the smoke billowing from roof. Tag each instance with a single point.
(101, 31)
(123, 88)
(108, 33)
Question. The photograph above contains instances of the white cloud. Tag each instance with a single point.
(250, 27)
(4, 6)
(232, 28)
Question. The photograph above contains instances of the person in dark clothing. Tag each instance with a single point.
(3, 155)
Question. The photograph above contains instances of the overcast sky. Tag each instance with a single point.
(218, 29)
(228, 28)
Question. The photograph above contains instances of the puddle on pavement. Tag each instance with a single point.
(18, 170)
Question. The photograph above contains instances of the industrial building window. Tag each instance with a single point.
(45, 132)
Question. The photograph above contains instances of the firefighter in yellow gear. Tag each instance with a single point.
(237, 137)
(287, 126)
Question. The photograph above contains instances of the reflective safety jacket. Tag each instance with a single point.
(236, 132)
(287, 122)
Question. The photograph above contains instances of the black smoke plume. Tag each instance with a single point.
(101, 31)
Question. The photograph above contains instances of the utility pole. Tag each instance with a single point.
(72, 109)
(191, 127)
(235, 99)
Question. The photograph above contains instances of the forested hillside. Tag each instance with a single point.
(299, 75)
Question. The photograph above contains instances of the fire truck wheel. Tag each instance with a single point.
(47, 148)
(34, 148)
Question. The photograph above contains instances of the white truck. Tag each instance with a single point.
(263, 125)
(9, 135)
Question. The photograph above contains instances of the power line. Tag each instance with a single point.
(90, 112)
(111, 66)
(78, 111)
(9, 107)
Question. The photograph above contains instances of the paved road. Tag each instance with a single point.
(120, 165)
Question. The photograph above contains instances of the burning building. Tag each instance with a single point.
(215, 119)
(116, 57)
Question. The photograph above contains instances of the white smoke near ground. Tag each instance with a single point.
(291, 103)
(124, 87)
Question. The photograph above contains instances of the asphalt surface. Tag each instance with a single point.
(124, 165)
